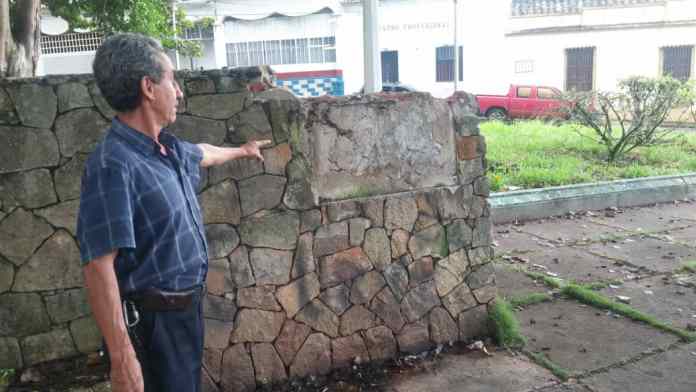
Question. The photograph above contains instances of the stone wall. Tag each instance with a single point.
(365, 233)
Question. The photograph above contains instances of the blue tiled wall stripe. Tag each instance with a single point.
(313, 87)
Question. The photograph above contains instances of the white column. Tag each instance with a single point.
(456, 47)
(220, 49)
(373, 67)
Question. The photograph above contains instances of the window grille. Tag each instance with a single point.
(676, 62)
(444, 63)
(524, 66)
(287, 51)
(579, 69)
(198, 33)
(70, 43)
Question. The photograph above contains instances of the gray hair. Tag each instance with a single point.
(120, 64)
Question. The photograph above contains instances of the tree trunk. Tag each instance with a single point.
(19, 52)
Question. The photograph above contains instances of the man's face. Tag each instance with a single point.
(167, 94)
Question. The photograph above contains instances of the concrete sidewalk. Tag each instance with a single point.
(639, 254)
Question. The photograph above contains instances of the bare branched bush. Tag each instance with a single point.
(632, 116)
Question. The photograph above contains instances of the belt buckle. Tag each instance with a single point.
(126, 314)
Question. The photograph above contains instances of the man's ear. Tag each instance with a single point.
(147, 88)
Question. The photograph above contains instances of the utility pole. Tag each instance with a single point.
(456, 48)
(373, 68)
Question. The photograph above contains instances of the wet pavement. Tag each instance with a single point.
(638, 256)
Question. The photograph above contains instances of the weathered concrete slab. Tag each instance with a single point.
(474, 372)
(685, 236)
(508, 239)
(359, 148)
(580, 338)
(568, 387)
(568, 231)
(684, 210)
(659, 298)
(690, 181)
(512, 283)
(555, 201)
(647, 252)
(659, 218)
(539, 203)
(574, 263)
(673, 371)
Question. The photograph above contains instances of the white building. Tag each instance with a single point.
(315, 46)
(592, 44)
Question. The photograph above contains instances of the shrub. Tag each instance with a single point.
(630, 117)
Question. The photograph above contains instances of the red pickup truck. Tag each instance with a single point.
(522, 102)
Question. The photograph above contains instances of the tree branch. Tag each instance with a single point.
(6, 39)
(28, 21)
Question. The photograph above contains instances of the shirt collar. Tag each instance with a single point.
(139, 140)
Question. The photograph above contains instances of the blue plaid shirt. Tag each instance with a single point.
(144, 204)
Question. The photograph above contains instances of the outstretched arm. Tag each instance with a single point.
(213, 155)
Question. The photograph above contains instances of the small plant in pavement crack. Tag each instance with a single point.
(505, 325)
(530, 299)
(554, 283)
(544, 361)
(597, 300)
(689, 266)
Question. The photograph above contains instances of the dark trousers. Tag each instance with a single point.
(172, 348)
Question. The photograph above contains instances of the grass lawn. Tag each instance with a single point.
(533, 154)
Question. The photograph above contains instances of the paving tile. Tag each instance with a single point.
(577, 264)
(680, 210)
(569, 231)
(686, 236)
(507, 239)
(581, 338)
(474, 372)
(662, 299)
(644, 251)
(671, 371)
(654, 219)
(512, 283)
(567, 387)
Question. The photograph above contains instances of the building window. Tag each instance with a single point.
(676, 62)
(287, 51)
(444, 64)
(390, 66)
(579, 69)
(198, 33)
(70, 43)
(524, 66)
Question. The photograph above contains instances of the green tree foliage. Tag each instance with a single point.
(149, 17)
(632, 116)
(20, 35)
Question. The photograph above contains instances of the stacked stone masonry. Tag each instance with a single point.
(365, 232)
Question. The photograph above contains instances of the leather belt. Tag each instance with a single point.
(156, 300)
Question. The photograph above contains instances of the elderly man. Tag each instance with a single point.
(140, 228)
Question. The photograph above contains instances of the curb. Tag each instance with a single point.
(541, 203)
